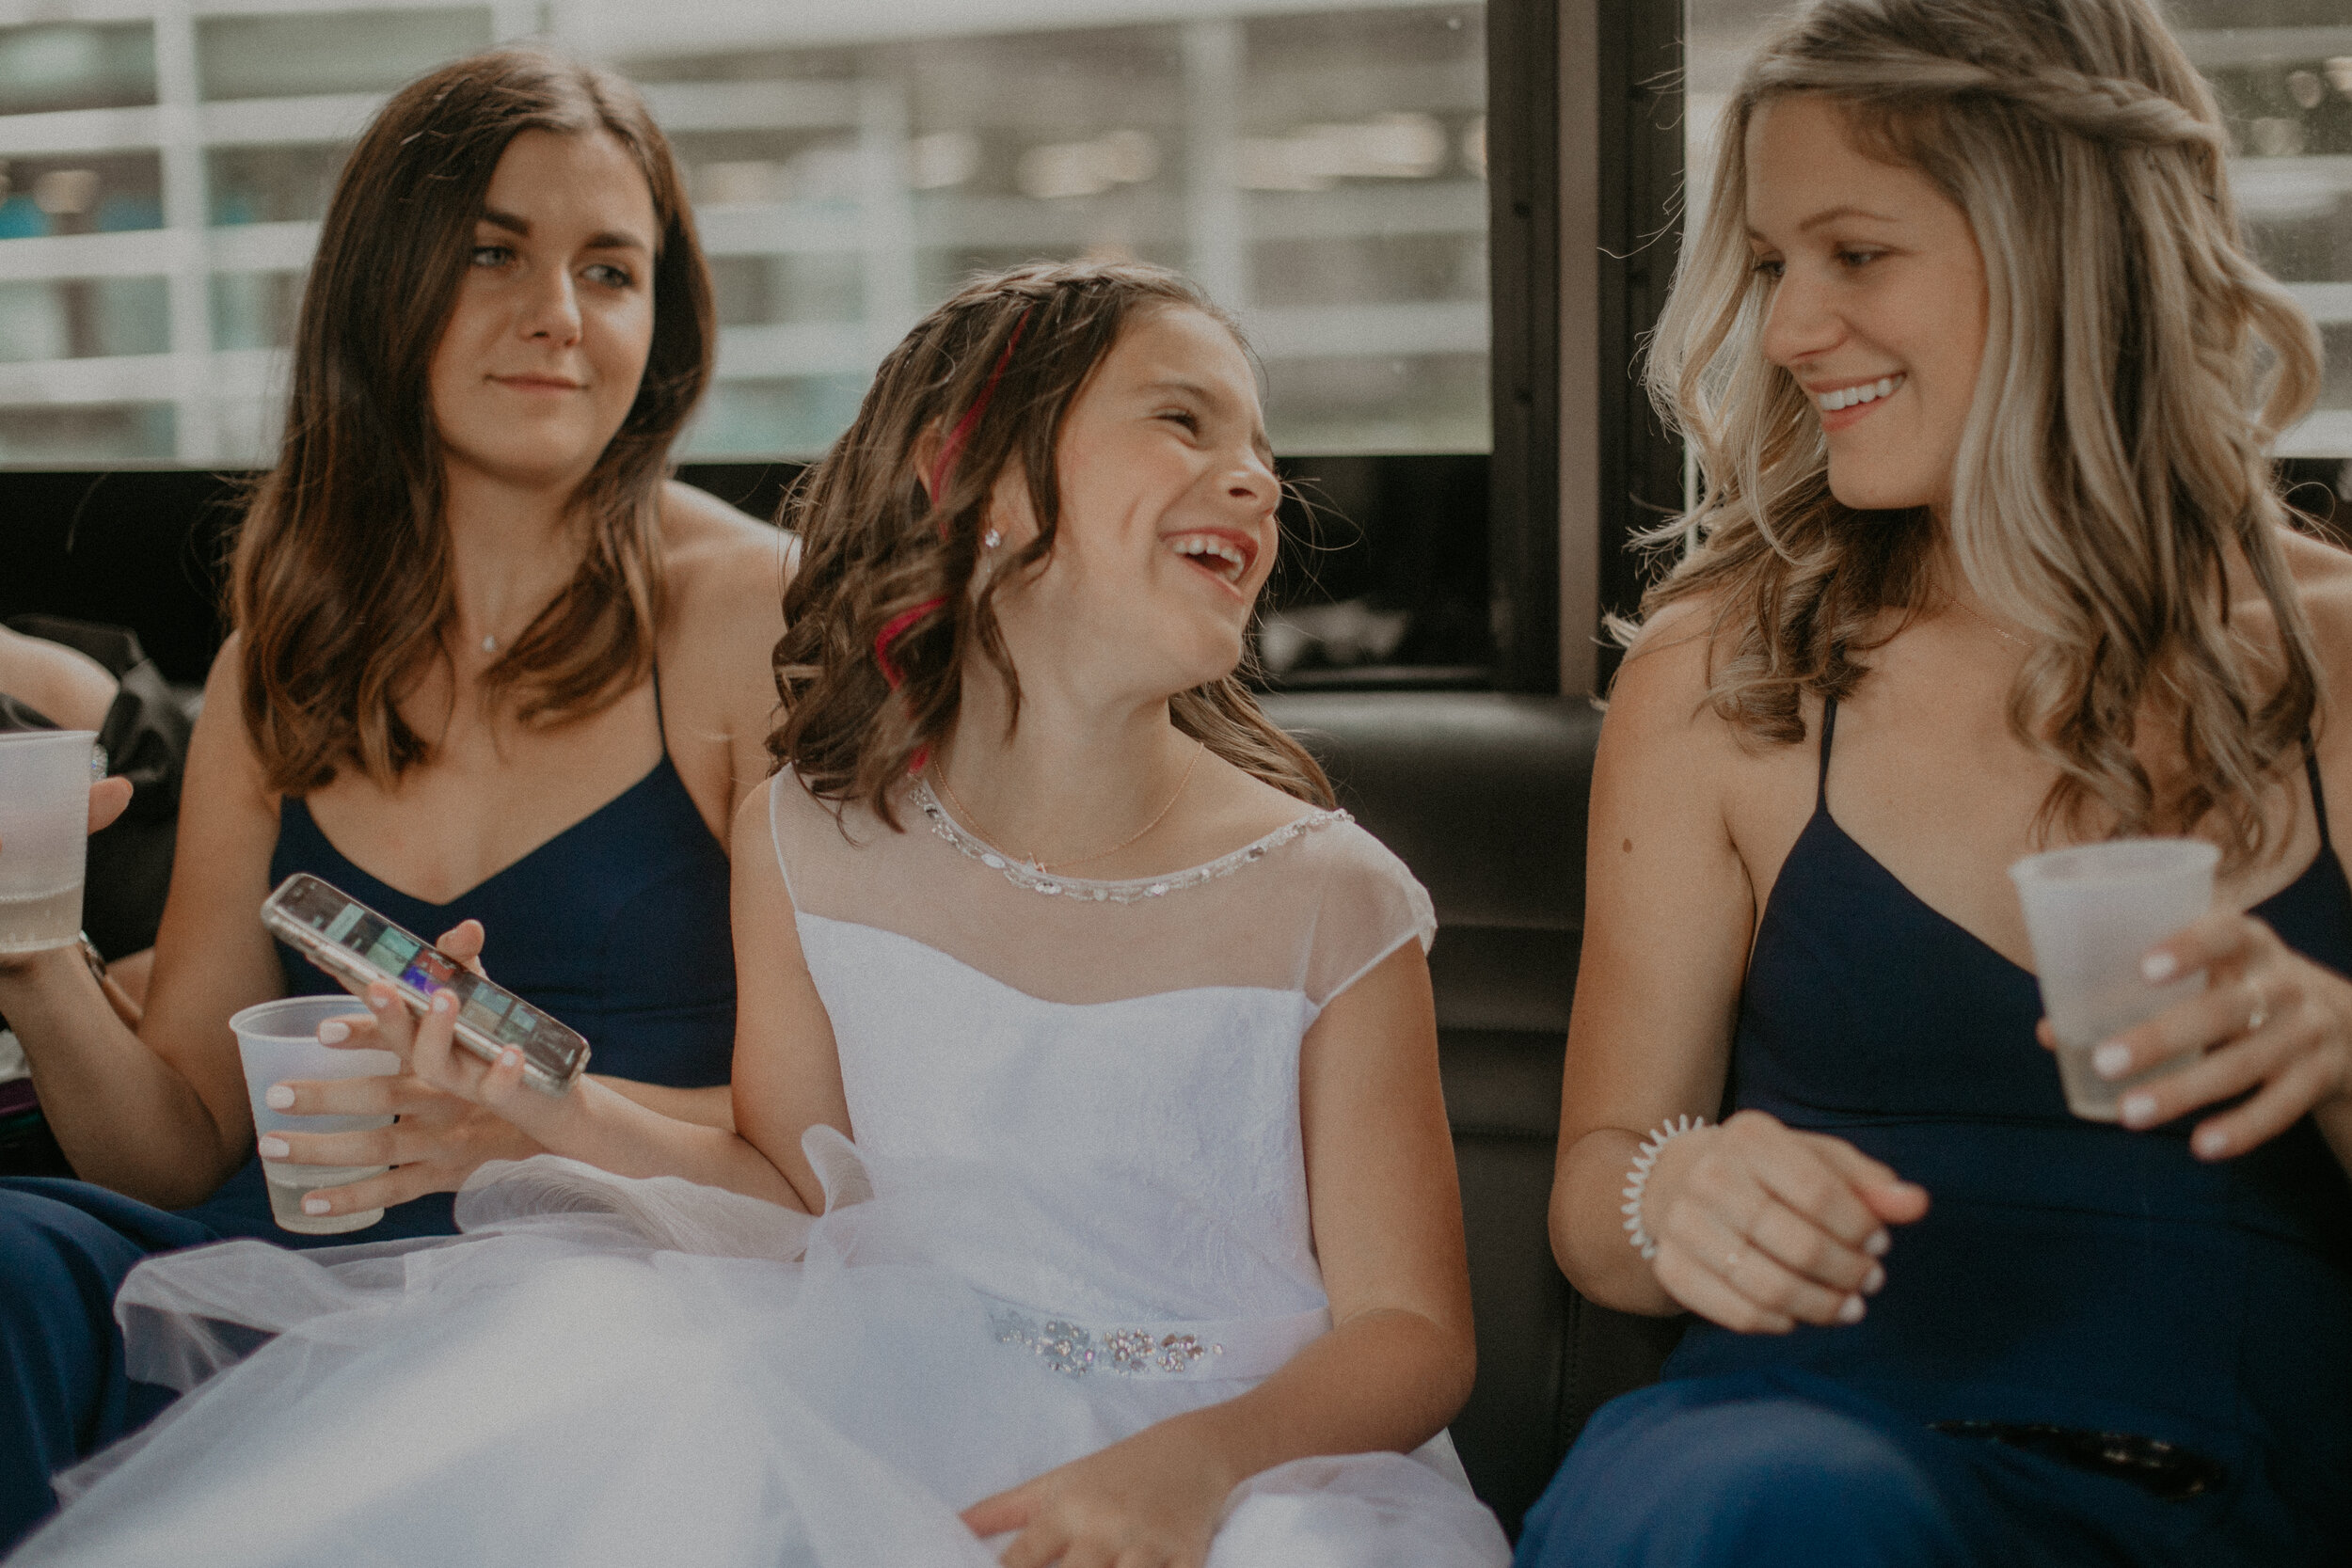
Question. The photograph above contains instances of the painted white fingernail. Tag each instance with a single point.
(2213, 1143)
(279, 1097)
(1875, 1281)
(315, 1206)
(275, 1147)
(511, 1057)
(2158, 966)
(334, 1031)
(2138, 1109)
(2112, 1061)
(378, 1002)
(1878, 1243)
(1851, 1310)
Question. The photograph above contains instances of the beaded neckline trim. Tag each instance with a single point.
(1131, 892)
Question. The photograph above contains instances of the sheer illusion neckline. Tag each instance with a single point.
(1130, 890)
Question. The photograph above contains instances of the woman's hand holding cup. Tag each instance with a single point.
(109, 797)
(2270, 1024)
(442, 1133)
(1760, 1227)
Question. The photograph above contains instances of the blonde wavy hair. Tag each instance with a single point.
(2138, 365)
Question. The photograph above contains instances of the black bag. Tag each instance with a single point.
(145, 738)
(145, 735)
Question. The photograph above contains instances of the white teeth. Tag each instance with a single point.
(1846, 397)
(1200, 544)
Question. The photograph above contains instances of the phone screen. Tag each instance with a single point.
(490, 1009)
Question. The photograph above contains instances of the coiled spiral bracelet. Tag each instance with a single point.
(1638, 1178)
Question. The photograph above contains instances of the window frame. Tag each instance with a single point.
(1585, 166)
(1585, 176)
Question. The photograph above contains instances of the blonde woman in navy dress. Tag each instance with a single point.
(1982, 382)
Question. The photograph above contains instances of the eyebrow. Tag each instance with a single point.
(515, 223)
(1832, 214)
(1209, 395)
(1846, 211)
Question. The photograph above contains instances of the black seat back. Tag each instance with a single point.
(1484, 795)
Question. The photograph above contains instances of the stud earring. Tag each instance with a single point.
(989, 540)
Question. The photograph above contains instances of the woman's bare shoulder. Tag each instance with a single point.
(723, 572)
(706, 541)
(224, 682)
(2322, 581)
(1669, 668)
(2322, 570)
(222, 750)
(1673, 757)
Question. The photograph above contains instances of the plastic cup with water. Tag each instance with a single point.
(2093, 913)
(45, 777)
(278, 1042)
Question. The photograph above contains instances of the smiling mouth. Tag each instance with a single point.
(537, 383)
(1221, 556)
(1852, 397)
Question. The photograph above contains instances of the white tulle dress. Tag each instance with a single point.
(1075, 1204)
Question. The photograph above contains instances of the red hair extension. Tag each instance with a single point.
(895, 629)
(953, 446)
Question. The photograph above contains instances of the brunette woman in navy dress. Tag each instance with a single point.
(1982, 382)
(488, 665)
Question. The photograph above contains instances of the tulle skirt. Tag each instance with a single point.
(631, 1372)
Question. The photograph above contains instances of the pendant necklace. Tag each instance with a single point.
(1038, 865)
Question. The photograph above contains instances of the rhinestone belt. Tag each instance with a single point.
(1074, 1350)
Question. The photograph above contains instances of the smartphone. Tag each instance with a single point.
(351, 941)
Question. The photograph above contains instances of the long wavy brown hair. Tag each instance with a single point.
(341, 583)
(878, 551)
(2139, 364)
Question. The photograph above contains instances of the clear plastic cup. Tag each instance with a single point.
(278, 1042)
(45, 777)
(2093, 913)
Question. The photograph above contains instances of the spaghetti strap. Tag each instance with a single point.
(1829, 730)
(2320, 795)
(661, 730)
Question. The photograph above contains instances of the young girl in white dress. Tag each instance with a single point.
(1089, 1199)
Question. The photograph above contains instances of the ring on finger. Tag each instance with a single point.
(2259, 1012)
(1731, 1262)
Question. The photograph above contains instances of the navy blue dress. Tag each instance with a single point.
(618, 926)
(2069, 1275)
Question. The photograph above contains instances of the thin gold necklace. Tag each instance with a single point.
(1987, 622)
(1036, 865)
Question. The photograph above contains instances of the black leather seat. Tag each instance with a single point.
(1484, 796)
